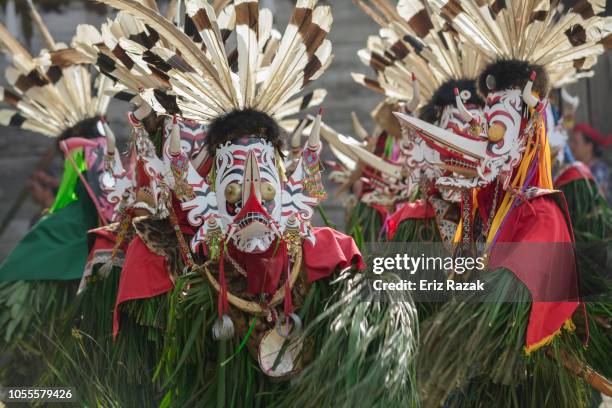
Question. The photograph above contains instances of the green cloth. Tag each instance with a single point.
(56, 247)
(66, 193)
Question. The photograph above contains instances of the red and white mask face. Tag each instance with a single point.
(477, 159)
(426, 159)
(248, 191)
(248, 198)
(192, 136)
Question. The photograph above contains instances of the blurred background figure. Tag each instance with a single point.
(587, 145)
(43, 188)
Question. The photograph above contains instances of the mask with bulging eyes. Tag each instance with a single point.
(246, 199)
(424, 159)
(478, 158)
(248, 192)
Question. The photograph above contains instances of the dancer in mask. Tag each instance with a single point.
(508, 201)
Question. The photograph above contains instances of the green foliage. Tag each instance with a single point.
(29, 312)
(472, 354)
(364, 224)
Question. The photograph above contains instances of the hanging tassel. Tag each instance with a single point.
(223, 329)
(213, 239)
(312, 182)
(296, 330)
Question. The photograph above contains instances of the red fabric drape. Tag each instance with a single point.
(144, 275)
(541, 256)
(577, 171)
(332, 250)
(419, 209)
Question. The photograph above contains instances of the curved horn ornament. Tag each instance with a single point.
(465, 114)
(111, 141)
(175, 138)
(314, 140)
(528, 96)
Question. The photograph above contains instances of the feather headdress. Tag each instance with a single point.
(51, 92)
(413, 44)
(108, 47)
(565, 43)
(202, 77)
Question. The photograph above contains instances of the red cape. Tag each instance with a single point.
(420, 209)
(146, 274)
(573, 172)
(548, 269)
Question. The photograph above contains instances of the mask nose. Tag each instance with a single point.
(252, 179)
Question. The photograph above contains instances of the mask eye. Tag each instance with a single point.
(268, 191)
(233, 193)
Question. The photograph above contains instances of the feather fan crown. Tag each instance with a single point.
(564, 42)
(198, 78)
(52, 92)
(413, 40)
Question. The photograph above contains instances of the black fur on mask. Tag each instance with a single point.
(445, 95)
(87, 128)
(240, 123)
(512, 74)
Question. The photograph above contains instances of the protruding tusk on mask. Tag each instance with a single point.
(252, 178)
(475, 149)
(359, 129)
(111, 141)
(175, 138)
(463, 111)
(496, 132)
(296, 138)
(314, 140)
(416, 95)
(528, 96)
